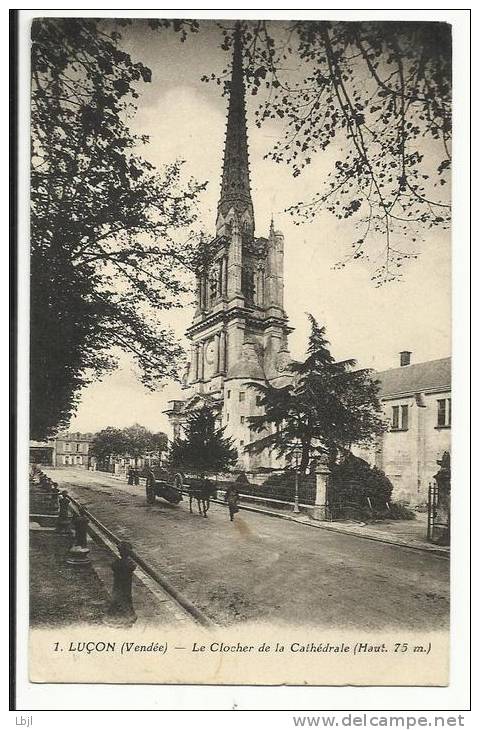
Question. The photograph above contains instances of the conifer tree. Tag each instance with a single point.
(204, 448)
(327, 407)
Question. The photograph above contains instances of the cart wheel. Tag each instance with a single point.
(150, 492)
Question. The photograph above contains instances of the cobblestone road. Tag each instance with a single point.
(263, 568)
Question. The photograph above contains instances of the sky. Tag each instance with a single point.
(185, 118)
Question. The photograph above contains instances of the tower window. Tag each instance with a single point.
(248, 284)
(258, 400)
(241, 443)
(241, 396)
(229, 392)
(242, 419)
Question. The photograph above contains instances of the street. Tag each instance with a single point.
(267, 569)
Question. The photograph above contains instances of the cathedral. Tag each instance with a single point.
(239, 333)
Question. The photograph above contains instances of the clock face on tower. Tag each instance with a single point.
(210, 353)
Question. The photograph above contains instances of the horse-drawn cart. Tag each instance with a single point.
(161, 488)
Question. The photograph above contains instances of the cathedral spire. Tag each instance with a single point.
(235, 190)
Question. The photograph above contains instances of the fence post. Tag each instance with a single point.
(121, 611)
(78, 553)
(63, 519)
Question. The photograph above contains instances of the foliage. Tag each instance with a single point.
(132, 442)
(380, 94)
(141, 441)
(353, 480)
(108, 232)
(204, 447)
(325, 408)
(108, 443)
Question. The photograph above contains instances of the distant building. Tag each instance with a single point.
(73, 449)
(42, 452)
(417, 403)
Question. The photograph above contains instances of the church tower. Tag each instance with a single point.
(239, 331)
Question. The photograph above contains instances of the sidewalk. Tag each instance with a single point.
(405, 533)
(62, 594)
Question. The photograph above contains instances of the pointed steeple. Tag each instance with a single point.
(235, 190)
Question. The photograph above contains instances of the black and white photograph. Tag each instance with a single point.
(240, 350)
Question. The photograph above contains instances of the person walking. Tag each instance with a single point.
(231, 498)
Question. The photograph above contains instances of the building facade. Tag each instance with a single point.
(417, 404)
(239, 334)
(72, 449)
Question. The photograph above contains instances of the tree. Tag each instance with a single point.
(107, 444)
(381, 93)
(139, 441)
(204, 447)
(327, 407)
(353, 480)
(110, 236)
(132, 442)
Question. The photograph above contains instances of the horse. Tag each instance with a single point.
(200, 489)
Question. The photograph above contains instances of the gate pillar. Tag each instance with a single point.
(320, 510)
(441, 521)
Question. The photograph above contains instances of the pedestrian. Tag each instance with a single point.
(130, 475)
(231, 498)
(136, 477)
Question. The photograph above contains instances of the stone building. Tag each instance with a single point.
(72, 449)
(239, 332)
(417, 403)
(42, 452)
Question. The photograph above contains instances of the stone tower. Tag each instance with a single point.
(239, 331)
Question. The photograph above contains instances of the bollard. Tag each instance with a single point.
(120, 611)
(55, 497)
(78, 553)
(63, 519)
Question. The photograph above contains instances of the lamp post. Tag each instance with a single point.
(296, 508)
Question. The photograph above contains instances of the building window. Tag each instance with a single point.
(444, 413)
(78, 447)
(242, 419)
(399, 418)
(258, 400)
(241, 396)
(241, 443)
(67, 447)
(228, 393)
(228, 417)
